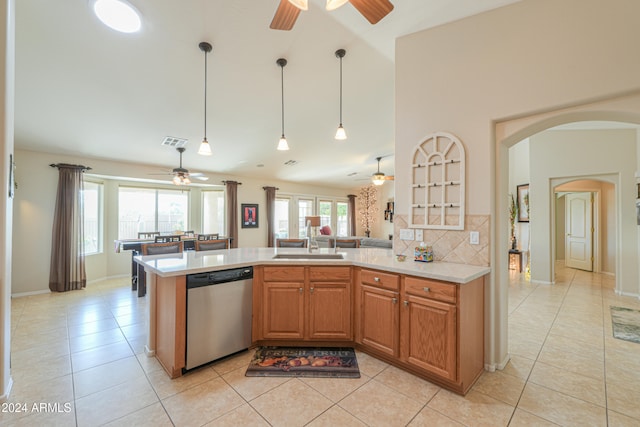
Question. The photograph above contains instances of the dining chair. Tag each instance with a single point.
(291, 243)
(168, 238)
(213, 236)
(142, 235)
(209, 245)
(347, 243)
(155, 249)
(189, 233)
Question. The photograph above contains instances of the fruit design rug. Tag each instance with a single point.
(626, 323)
(304, 362)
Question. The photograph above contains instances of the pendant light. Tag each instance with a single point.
(334, 4)
(282, 144)
(340, 133)
(205, 148)
(300, 4)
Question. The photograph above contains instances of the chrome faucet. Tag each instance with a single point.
(311, 243)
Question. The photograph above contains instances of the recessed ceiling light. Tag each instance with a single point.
(118, 15)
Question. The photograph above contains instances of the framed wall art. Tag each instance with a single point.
(249, 215)
(523, 203)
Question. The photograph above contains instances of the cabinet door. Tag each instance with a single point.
(283, 310)
(379, 319)
(429, 336)
(329, 310)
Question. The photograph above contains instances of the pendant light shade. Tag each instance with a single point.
(205, 148)
(282, 144)
(341, 135)
(334, 4)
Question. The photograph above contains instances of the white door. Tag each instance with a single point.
(579, 231)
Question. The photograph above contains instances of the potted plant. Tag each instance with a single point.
(513, 214)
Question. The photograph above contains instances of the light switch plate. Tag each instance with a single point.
(474, 237)
(419, 236)
(406, 234)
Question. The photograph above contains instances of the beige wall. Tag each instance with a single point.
(469, 76)
(35, 201)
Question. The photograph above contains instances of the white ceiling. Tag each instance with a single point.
(86, 90)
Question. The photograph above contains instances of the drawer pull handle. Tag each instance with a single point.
(406, 303)
(301, 290)
(376, 279)
(426, 289)
(394, 300)
(311, 290)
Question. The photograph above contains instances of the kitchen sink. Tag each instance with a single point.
(308, 256)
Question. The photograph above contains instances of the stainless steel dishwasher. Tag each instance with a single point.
(218, 314)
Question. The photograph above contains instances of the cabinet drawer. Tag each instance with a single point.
(284, 273)
(383, 280)
(433, 289)
(318, 274)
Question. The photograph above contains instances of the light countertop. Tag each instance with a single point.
(190, 262)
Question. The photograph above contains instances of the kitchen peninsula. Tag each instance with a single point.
(427, 318)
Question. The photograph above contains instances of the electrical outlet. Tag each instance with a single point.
(406, 234)
(419, 236)
(474, 237)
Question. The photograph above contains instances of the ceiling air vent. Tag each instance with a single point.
(172, 141)
(290, 162)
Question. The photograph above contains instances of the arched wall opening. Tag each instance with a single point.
(509, 132)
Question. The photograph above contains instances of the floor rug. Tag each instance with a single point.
(304, 362)
(626, 323)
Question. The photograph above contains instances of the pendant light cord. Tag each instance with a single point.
(341, 91)
(205, 94)
(282, 95)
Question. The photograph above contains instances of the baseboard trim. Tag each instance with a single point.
(627, 294)
(492, 367)
(5, 396)
(543, 282)
(148, 352)
(26, 294)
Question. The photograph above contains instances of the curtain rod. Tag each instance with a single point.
(239, 183)
(59, 165)
(264, 188)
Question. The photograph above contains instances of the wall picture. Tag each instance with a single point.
(249, 215)
(523, 203)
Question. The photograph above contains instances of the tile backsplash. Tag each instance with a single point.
(448, 245)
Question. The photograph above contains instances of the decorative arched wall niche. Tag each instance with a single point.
(437, 183)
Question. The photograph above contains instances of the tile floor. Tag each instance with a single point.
(82, 353)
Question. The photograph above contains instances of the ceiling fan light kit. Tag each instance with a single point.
(300, 4)
(334, 4)
(118, 15)
(282, 143)
(379, 178)
(205, 148)
(341, 135)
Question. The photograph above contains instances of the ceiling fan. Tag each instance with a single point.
(379, 178)
(182, 176)
(288, 11)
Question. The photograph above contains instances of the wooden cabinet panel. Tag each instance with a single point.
(380, 314)
(329, 311)
(318, 274)
(283, 311)
(429, 338)
(380, 279)
(283, 274)
(432, 289)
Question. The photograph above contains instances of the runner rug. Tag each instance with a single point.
(304, 362)
(626, 323)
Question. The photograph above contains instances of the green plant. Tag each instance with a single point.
(513, 214)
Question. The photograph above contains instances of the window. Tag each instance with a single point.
(291, 210)
(92, 209)
(150, 209)
(342, 219)
(305, 208)
(281, 218)
(213, 212)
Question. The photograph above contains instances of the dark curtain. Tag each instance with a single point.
(232, 212)
(271, 209)
(67, 270)
(352, 215)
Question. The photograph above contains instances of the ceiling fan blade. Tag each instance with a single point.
(373, 10)
(285, 16)
(389, 178)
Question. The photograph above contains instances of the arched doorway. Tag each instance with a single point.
(509, 133)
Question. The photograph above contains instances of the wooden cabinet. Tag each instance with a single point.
(431, 327)
(379, 315)
(304, 303)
